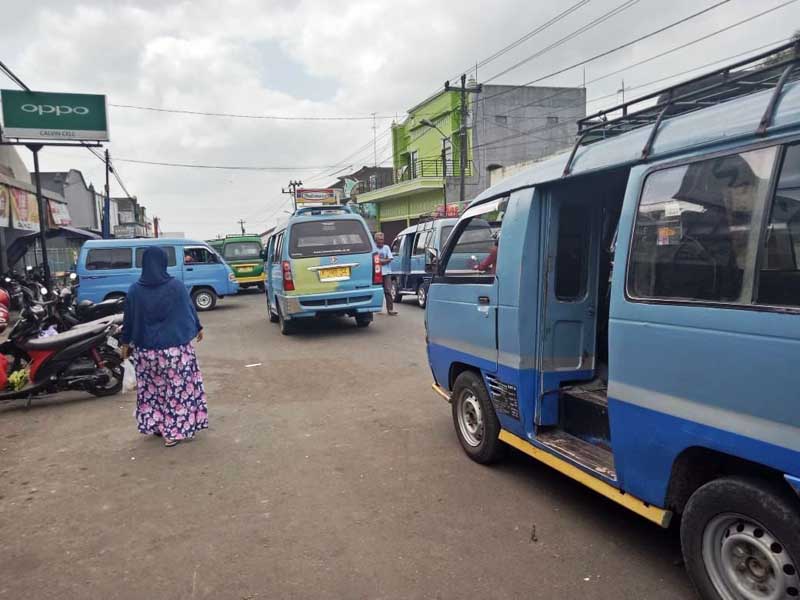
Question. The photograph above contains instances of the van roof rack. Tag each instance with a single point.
(768, 70)
(323, 209)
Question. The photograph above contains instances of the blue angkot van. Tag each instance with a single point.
(641, 330)
(322, 262)
(107, 268)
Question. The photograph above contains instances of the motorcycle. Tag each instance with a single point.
(82, 358)
(70, 314)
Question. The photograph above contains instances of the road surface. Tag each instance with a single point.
(331, 470)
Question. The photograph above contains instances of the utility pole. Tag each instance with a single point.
(107, 201)
(463, 89)
(374, 141)
(43, 207)
(241, 224)
(155, 226)
(293, 185)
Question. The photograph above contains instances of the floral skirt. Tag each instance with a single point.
(170, 399)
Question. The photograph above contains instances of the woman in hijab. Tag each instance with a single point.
(160, 324)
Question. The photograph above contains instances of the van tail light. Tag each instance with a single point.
(288, 282)
(377, 277)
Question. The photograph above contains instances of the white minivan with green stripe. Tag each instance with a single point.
(322, 262)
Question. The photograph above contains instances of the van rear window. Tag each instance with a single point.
(100, 259)
(320, 238)
(242, 250)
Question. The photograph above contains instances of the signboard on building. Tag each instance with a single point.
(5, 205)
(25, 210)
(53, 116)
(59, 214)
(317, 196)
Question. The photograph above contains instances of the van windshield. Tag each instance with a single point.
(319, 238)
(241, 250)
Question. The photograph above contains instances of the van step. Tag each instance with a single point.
(600, 460)
(584, 414)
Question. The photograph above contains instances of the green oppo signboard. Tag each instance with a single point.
(53, 116)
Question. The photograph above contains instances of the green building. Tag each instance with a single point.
(420, 176)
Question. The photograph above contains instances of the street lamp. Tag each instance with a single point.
(445, 139)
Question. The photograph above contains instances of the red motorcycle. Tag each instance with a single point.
(78, 359)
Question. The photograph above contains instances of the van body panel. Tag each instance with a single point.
(411, 265)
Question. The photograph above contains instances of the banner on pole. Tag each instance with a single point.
(25, 210)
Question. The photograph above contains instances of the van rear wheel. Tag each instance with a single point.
(741, 539)
(287, 327)
(204, 299)
(475, 421)
(273, 317)
(397, 297)
(422, 294)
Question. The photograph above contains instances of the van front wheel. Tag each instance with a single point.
(204, 299)
(475, 421)
(741, 539)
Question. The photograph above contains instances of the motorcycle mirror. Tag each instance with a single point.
(73, 276)
(43, 291)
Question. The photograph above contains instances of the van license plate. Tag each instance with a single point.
(246, 269)
(334, 273)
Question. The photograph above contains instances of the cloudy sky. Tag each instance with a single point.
(318, 58)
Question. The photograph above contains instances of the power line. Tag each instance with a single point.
(591, 25)
(616, 49)
(527, 36)
(246, 116)
(10, 74)
(227, 167)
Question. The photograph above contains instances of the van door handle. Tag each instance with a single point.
(483, 300)
(190, 268)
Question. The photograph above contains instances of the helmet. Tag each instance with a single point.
(5, 299)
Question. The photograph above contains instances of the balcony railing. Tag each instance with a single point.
(430, 167)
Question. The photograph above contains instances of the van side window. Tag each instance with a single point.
(99, 259)
(779, 271)
(572, 253)
(396, 244)
(421, 242)
(194, 255)
(475, 249)
(279, 246)
(170, 250)
(697, 229)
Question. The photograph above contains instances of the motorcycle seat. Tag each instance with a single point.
(109, 320)
(61, 340)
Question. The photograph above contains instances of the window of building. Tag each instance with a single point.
(170, 250)
(373, 182)
(779, 271)
(552, 120)
(197, 255)
(475, 250)
(100, 259)
(413, 166)
(572, 252)
(697, 229)
(501, 120)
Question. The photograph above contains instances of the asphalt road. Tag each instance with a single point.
(331, 470)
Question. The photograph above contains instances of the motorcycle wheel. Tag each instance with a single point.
(116, 373)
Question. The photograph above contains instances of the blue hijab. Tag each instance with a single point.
(158, 310)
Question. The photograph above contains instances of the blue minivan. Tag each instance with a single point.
(414, 250)
(637, 325)
(322, 262)
(107, 268)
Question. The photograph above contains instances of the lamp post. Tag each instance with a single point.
(445, 139)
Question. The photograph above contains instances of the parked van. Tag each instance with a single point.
(641, 327)
(244, 254)
(414, 250)
(323, 261)
(107, 268)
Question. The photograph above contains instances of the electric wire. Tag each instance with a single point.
(246, 116)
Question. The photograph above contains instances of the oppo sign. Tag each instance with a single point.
(53, 116)
(49, 109)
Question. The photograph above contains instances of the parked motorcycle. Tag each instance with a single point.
(82, 358)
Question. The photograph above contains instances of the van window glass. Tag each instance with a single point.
(396, 244)
(98, 259)
(779, 271)
(476, 248)
(320, 238)
(572, 252)
(242, 250)
(421, 242)
(194, 255)
(697, 229)
(445, 234)
(279, 247)
(170, 250)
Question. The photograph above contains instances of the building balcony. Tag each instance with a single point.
(417, 176)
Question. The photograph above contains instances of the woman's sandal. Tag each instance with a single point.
(170, 443)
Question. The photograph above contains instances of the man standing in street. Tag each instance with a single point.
(385, 255)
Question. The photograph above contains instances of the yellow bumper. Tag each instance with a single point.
(256, 279)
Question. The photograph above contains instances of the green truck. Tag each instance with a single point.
(243, 254)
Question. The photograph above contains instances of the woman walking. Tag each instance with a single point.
(159, 326)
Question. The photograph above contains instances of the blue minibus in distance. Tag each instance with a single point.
(107, 268)
(322, 262)
(640, 328)
(413, 251)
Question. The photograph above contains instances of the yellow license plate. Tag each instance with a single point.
(245, 269)
(334, 273)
